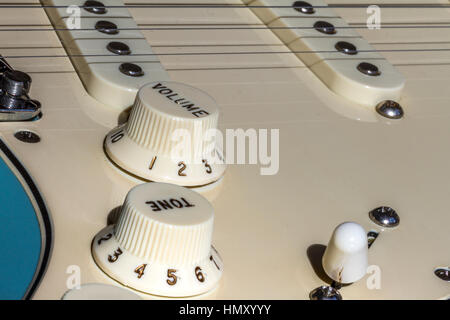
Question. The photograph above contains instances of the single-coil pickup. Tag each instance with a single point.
(344, 61)
(109, 53)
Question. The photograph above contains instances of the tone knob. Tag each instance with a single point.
(169, 137)
(346, 257)
(16, 83)
(161, 244)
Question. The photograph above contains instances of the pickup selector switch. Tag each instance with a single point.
(170, 137)
(346, 257)
(161, 244)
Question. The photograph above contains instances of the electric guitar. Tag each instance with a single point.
(225, 149)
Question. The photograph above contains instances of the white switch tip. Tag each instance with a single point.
(346, 257)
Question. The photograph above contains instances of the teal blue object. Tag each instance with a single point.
(20, 237)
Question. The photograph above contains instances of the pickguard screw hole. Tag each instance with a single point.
(443, 273)
(27, 136)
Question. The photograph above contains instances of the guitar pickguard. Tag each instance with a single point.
(25, 230)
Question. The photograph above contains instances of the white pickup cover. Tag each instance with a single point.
(98, 68)
(337, 70)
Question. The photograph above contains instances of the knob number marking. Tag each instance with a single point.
(199, 274)
(105, 238)
(182, 166)
(117, 136)
(152, 163)
(159, 205)
(140, 270)
(207, 166)
(172, 278)
(215, 263)
(113, 258)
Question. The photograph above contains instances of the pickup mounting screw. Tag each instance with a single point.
(390, 109)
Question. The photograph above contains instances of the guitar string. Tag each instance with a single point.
(216, 53)
(212, 53)
(206, 27)
(177, 6)
(235, 6)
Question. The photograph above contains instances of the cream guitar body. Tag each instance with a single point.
(337, 158)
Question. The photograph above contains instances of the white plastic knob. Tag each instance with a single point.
(169, 137)
(346, 257)
(161, 244)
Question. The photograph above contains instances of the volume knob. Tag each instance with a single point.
(161, 243)
(169, 137)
